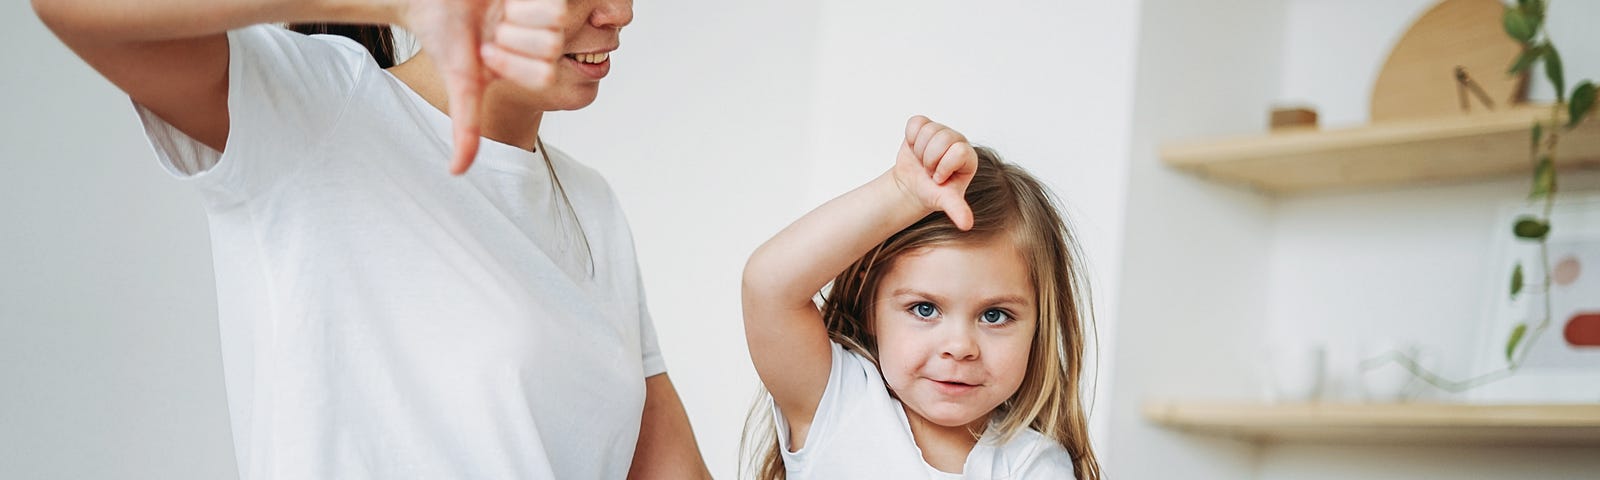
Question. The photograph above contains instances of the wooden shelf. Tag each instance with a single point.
(1420, 423)
(1391, 153)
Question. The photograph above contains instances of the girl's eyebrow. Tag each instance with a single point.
(903, 291)
(1008, 299)
(1018, 300)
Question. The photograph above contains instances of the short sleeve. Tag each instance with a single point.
(1046, 459)
(649, 349)
(849, 376)
(286, 93)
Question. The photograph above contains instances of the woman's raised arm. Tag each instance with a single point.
(171, 56)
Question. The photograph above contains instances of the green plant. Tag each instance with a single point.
(1525, 24)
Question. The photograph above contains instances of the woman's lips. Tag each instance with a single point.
(592, 65)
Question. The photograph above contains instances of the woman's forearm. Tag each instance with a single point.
(101, 21)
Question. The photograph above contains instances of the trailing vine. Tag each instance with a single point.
(1525, 24)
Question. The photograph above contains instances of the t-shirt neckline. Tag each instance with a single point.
(491, 153)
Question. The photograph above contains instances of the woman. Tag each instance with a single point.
(380, 317)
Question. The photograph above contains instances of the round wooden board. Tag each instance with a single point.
(1418, 80)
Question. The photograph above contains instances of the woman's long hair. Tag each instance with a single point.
(1007, 203)
(378, 39)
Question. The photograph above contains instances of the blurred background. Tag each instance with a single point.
(722, 121)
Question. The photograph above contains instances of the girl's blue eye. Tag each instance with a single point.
(924, 310)
(995, 317)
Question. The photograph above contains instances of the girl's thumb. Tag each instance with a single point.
(959, 212)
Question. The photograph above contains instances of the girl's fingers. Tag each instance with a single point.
(538, 14)
(537, 43)
(938, 151)
(958, 160)
(923, 136)
(530, 73)
(913, 127)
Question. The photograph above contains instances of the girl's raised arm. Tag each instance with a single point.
(785, 333)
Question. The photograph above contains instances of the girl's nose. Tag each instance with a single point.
(959, 344)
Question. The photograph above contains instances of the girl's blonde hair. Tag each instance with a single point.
(1007, 202)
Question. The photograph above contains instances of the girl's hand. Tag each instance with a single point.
(475, 41)
(934, 167)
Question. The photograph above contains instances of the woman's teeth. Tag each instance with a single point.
(590, 58)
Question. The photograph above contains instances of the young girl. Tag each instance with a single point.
(949, 344)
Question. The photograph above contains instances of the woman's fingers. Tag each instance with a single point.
(536, 43)
(465, 90)
(523, 55)
(473, 41)
(459, 62)
(526, 43)
(451, 31)
(534, 13)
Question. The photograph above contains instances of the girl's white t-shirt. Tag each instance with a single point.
(382, 319)
(860, 431)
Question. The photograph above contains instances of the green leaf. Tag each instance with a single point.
(1538, 134)
(1526, 59)
(1582, 101)
(1516, 281)
(1552, 70)
(1532, 9)
(1530, 228)
(1544, 178)
(1516, 337)
(1517, 25)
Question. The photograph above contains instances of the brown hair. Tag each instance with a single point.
(1007, 202)
(379, 39)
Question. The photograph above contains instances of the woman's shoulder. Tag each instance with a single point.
(298, 52)
(581, 182)
(581, 175)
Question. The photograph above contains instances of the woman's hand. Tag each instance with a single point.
(476, 41)
(934, 167)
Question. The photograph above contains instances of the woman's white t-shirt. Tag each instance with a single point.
(382, 319)
(860, 431)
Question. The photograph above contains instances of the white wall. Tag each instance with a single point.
(1193, 265)
(109, 362)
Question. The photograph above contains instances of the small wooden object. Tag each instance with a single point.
(1423, 75)
(1293, 118)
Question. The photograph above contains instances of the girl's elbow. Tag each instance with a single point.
(754, 282)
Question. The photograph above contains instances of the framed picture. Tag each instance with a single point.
(1559, 349)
